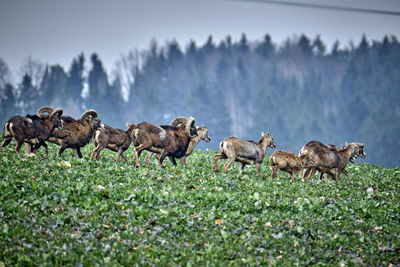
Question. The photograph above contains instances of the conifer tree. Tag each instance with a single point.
(52, 87)
(27, 95)
(75, 81)
(107, 100)
(7, 103)
(266, 48)
(97, 83)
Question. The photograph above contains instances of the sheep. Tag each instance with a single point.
(333, 161)
(316, 146)
(245, 152)
(76, 133)
(114, 139)
(32, 130)
(288, 162)
(312, 146)
(202, 132)
(169, 141)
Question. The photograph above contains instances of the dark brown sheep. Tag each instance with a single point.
(170, 141)
(32, 130)
(202, 132)
(76, 133)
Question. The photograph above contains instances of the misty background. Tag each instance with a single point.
(300, 87)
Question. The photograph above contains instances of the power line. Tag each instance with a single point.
(330, 7)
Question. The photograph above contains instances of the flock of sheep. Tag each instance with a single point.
(175, 141)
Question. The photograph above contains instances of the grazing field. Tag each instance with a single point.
(78, 212)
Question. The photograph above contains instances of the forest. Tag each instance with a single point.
(298, 90)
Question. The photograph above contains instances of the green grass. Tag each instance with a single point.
(107, 213)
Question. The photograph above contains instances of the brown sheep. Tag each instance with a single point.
(169, 141)
(243, 151)
(116, 140)
(333, 162)
(288, 162)
(202, 132)
(319, 148)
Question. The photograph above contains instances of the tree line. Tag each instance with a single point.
(298, 90)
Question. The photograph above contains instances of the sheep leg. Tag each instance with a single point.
(241, 168)
(228, 163)
(172, 159)
(302, 172)
(19, 144)
(298, 173)
(125, 158)
(312, 174)
(95, 152)
(330, 175)
(293, 176)
(47, 150)
(61, 150)
(138, 151)
(37, 146)
(164, 153)
(6, 141)
(274, 171)
(121, 153)
(306, 172)
(118, 155)
(183, 161)
(337, 175)
(31, 146)
(78, 152)
(28, 149)
(148, 157)
(217, 158)
(258, 165)
(347, 175)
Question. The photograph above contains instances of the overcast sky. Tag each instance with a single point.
(55, 32)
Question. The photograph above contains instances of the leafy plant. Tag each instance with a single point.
(74, 211)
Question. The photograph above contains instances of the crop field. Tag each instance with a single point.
(77, 212)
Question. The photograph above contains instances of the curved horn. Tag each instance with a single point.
(57, 111)
(87, 113)
(44, 109)
(127, 124)
(178, 121)
(189, 125)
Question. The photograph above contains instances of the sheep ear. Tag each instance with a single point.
(345, 143)
(262, 134)
(126, 124)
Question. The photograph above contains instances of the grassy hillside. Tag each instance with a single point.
(73, 212)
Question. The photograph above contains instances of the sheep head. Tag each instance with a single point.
(190, 128)
(92, 117)
(269, 139)
(55, 116)
(203, 133)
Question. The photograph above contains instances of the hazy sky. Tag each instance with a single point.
(55, 32)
